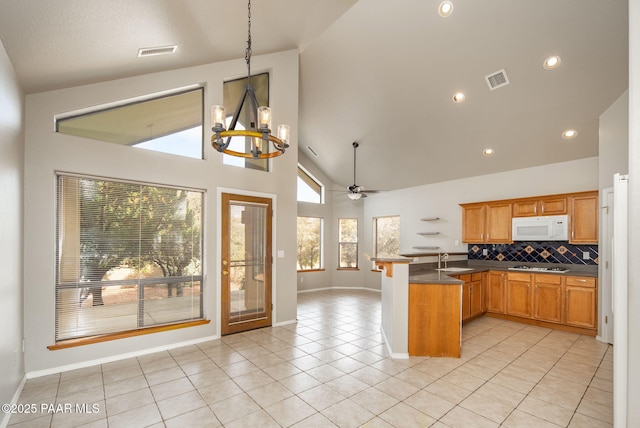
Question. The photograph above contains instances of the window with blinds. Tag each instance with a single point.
(128, 256)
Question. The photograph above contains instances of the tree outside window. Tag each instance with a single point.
(348, 243)
(386, 231)
(309, 243)
(129, 256)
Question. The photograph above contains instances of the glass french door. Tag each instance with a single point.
(246, 263)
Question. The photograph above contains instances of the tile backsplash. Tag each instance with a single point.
(536, 252)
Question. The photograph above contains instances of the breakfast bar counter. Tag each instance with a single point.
(421, 314)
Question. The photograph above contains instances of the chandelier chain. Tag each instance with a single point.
(247, 54)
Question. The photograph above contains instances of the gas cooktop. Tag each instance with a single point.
(539, 269)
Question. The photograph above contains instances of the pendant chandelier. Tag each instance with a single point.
(259, 129)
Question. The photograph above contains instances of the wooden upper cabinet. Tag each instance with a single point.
(584, 219)
(473, 223)
(490, 222)
(553, 205)
(498, 223)
(486, 223)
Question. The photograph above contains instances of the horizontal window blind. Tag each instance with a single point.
(128, 256)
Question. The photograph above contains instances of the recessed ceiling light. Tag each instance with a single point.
(569, 133)
(488, 152)
(445, 9)
(551, 62)
(458, 97)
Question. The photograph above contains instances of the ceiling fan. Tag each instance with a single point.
(356, 192)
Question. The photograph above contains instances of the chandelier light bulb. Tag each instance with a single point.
(264, 118)
(284, 133)
(218, 116)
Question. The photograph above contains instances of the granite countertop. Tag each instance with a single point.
(430, 275)
(434, 277)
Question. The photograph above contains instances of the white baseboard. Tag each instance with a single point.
(311, 290)
(283, 323)
(83, 364)
(395, 355)
(5, 420)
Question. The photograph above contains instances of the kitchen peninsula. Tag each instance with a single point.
(421, 314)
(423, 308)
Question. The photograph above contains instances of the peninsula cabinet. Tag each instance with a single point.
(581, 297)
(584, 219)
(472, 295)
(519, 294)
(488, 223)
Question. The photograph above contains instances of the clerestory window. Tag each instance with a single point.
(309, 188)
(168, 123)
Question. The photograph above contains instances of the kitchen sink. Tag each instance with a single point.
(454, 269)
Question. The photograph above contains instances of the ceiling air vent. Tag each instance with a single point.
(160, 50)
(313, 152)
(497, 80)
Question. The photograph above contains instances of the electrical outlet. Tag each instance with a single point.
(585, 255)
(456, 243)
(485, 252)
(301, 279)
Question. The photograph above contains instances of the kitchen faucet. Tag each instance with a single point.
(442, 257)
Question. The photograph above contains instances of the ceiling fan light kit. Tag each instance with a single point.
(259, 121)
(356, 192)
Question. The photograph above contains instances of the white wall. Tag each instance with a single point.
(442, 200)
(336, 205)
(11, 210)
(633, 415)
(613, 150)
(48, 152)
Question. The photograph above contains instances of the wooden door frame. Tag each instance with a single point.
(259, 197)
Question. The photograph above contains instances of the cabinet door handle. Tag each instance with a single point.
(580, 280)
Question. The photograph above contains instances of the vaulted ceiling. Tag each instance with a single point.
(378, 72)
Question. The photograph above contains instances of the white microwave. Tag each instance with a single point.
(545, 228)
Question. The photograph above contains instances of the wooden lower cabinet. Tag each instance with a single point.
(434, 320)
(544, 299)
(519, 294)
(476, 295)
(496, 292)
(547, 298)
(581, 298)
(472, 295)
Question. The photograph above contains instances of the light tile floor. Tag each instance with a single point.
(332, 369)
